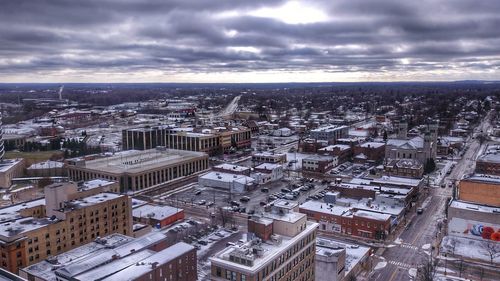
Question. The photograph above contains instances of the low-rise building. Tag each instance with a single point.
(268, 157)
(228, 182)
(267, 172)
(488, 164)
(157, 216)
(232, 169)
(348, 220)
(46, 169)
(343, 152)
(374, 151)
(473, 221)
(319, 163)
(409, 168)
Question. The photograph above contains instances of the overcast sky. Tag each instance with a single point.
(248, 40)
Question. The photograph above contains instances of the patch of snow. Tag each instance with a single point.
(426, 247)
(412, 272)
(398, 241)
(380, 265)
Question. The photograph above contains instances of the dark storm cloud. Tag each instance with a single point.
(191, 36)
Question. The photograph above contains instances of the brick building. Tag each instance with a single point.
(348, 221)
(68, 217)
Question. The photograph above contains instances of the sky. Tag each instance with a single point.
(249, 40)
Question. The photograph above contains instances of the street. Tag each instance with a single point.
(416, 241)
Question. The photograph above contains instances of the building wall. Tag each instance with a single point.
(331, 268)
(13, 172)
(81, 226)
(353, 226)
(481, 193)
(181, 268)
(142, 180)
(490, 168)
(296, 262)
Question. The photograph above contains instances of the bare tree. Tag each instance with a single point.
(427, 269)
(492, 249)
(461, 267)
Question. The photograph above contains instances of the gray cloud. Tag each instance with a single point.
(189, 36)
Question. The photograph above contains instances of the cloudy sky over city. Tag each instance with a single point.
(248, 41)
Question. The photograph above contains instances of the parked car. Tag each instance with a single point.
(245, 199)
(420, 211)
(264, 189)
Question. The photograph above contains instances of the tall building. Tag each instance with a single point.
(145, 138)
(281, 246)
(137, 170)
(211, 141)
(68, 217)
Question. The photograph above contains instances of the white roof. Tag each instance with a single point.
(232, 167)
(225, 177)
(154, 211)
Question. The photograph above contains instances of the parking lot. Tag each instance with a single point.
(213, 199)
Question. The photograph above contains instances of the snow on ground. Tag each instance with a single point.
(441, 269)
(469, 248)
(426, 247)
(380, 265)
(398, 241)
(412, 272)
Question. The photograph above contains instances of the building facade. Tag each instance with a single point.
(287, 254)
(69, 217)
(138, 170)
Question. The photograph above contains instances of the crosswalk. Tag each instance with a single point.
(408, 246)
(400, 264)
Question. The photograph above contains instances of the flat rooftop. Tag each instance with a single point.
(354, 252)
(483, 178)
(397, 181)
(232, 167)
(226, 177)
(155, 212)
(99, 259)
(329, 128)
(92, 200)
(7, 164)
(135, 161)
(491, 158)
(270, 250)
(474, 207)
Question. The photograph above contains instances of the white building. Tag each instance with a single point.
(230, 182)
(282, 132)
(268, 172)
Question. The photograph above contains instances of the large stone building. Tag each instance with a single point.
(137, 170)
(68, 217)
(280, 246)
(410, 168)
(420, 148)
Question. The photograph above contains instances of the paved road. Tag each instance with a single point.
(410, 249)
